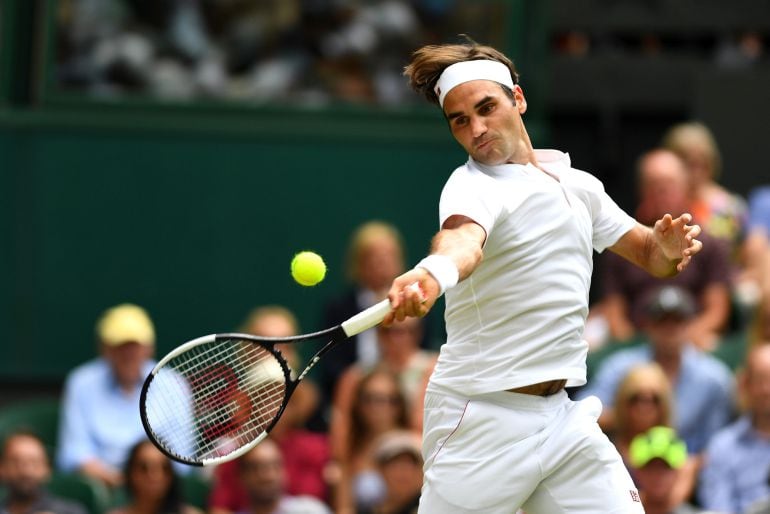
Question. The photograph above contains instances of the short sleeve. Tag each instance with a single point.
(610, 222)
(471, 194)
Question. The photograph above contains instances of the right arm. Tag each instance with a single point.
(461, 240)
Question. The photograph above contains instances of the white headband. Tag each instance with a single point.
(465, 71)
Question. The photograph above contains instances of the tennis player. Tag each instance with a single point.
(514, 257)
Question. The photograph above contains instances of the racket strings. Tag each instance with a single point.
(215, 398)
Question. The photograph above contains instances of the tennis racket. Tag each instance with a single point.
(214, 398)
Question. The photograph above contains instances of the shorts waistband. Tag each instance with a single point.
(548, 388)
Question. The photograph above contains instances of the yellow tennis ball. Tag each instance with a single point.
(308, 268)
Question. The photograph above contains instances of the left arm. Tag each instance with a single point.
(663, 250)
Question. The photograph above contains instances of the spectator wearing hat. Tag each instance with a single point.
(664, 187)
(737, 459)
(100, 412)
(703, 385)
(656, 458)
(399, 462)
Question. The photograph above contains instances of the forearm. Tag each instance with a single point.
(662, 251)
(456, 250)
(461, 247)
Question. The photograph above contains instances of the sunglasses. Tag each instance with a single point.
(380, 398)
(638, 398)
(146, 466)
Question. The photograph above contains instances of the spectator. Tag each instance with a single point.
(663, 187)
(263, 476)
(720, 213)
(305, 454)
(100, 413)
(643, 400)
(737, 459)
(399, 348)
(151, 484)
(757, 285)
(703, 385)
(656, 457)
(24, 470)
(399, 461)
(375, 256)
(378, 406)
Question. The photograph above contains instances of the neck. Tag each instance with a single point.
(20, 504)
(524, 152)
(657, 505)
(670, 362)
(761, 423)
(146, 506)
(265, 506)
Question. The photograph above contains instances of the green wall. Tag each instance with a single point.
(195, 223)
(194, 211)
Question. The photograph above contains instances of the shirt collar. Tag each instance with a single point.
(551, 160)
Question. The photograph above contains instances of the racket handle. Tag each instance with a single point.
(370, 317)
(367, 318)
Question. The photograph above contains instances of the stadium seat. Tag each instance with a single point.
(39, 416)
(93, 495)
(195, 490)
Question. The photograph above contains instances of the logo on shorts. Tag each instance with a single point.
(635, 496)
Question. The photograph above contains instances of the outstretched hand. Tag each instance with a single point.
(677, 239)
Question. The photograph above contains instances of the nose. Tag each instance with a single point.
(478, 127)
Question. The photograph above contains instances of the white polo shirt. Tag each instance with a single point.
(518, 319)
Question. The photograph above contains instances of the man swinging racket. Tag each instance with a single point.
(514, 257)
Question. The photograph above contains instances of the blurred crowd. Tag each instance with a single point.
(303, 52)
(681, 365)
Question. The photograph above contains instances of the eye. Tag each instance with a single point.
(487, 108)
(460, 121)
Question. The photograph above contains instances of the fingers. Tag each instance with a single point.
(694, 247)
(411, 295)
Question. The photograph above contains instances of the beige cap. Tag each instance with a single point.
(125, 323)
(397, 442)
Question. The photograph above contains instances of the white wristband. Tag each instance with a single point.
(443, 269)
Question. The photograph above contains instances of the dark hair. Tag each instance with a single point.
(358, 430)
(429, 62)
(172, 502)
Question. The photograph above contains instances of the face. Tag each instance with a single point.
(403, 476)
(698, 165)
(275, 325)
(24, 466)
(644, 408)
(150, 475)
(487, 123)
(401, 339)
(757, 381)
(379, 403)
(126, 361)
(668, 334)
(262, 473)
(379, 263)
(663, 186)
(656, 479)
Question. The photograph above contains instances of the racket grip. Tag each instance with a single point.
(367, 318)
(370, 317)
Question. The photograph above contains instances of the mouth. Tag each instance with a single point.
(483, 144)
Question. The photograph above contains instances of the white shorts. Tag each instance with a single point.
(499, 452)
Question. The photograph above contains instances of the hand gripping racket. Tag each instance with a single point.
(214, 398)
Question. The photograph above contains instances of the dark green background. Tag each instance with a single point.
(192, 211)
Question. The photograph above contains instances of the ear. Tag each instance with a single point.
(521, 101)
